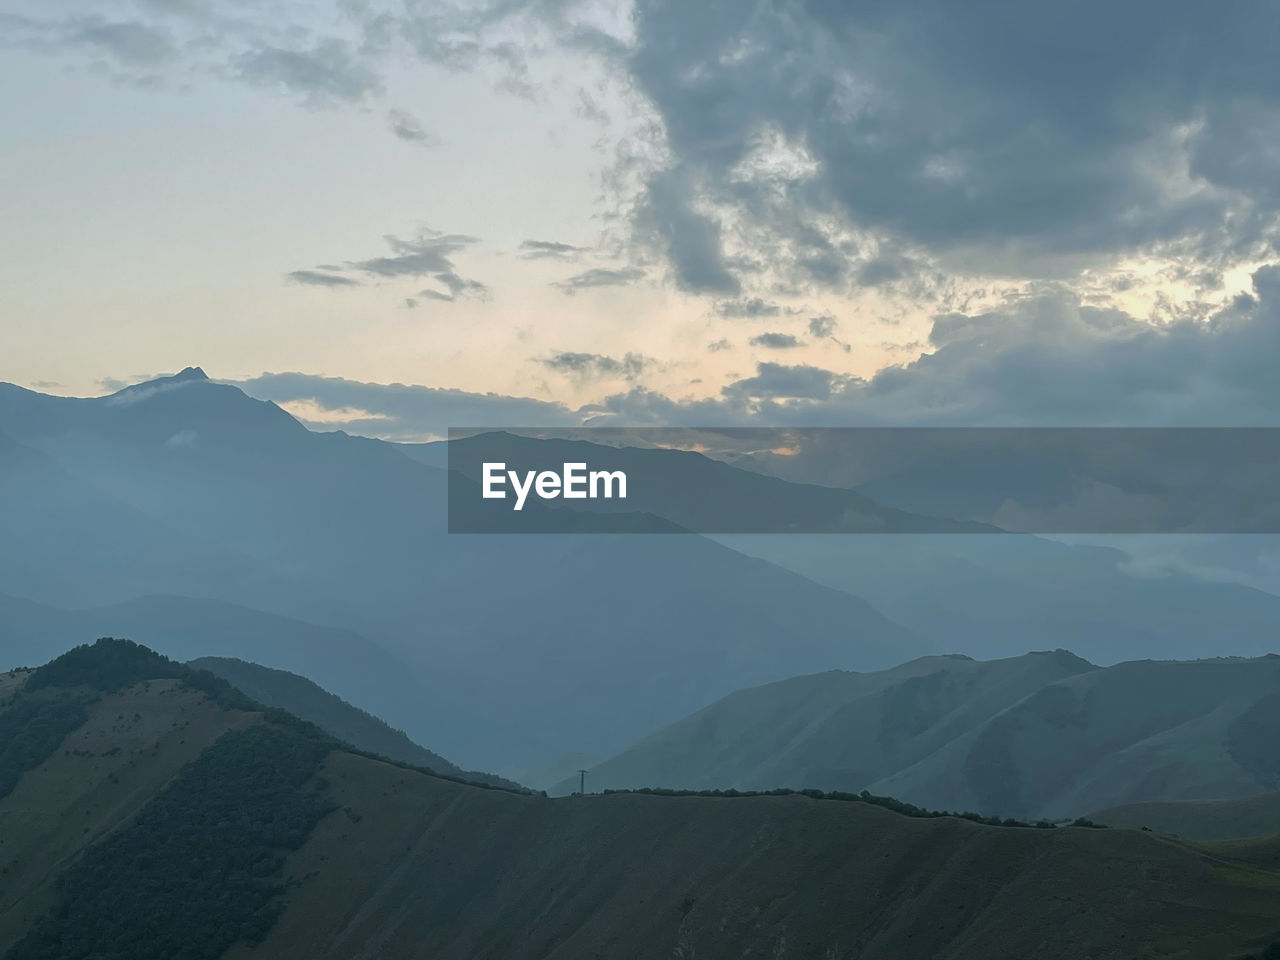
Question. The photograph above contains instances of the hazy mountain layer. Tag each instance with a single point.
(832, 731)
(1044, 735)
(304, 699)
(998, 596)
(524, 647)
(1135, 732)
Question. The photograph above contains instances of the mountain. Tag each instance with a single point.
(1045, 735)
(1135, 732)
(997, 596)
(693, 491)
(1206, 820)
(522, 648)
(308, 701)
(156, 811)
(834, 731)
(184, 628)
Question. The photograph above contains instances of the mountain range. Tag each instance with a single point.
(190, 516)
(1045, 735)
(521, 648)
(154, 810)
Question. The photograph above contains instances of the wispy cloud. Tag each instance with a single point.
(600, 277)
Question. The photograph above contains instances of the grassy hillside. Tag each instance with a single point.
(1211, 820)
(1137, 732)
(833, 731)
(180, 821)
(308, 701)
(1043, 735)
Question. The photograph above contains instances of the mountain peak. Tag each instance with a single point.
(190, 373)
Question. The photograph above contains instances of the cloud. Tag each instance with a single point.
(775, 341)
(116, 384)
(316, 278)
(691, 240)
(409, 129)
(428, 255)
(717, 345)
(750, 308)
(399, 411)
(312, 412)
(129, 42)
(822, 327)
(1042, 360)
(776, 380)
(595, 366)
(549, 250)
(600, 277)
(325, 74)
(1025, 141)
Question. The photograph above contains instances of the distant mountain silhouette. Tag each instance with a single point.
(996, 596)
(523, 648)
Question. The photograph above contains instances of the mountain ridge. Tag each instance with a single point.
(353, 856)
(1045, 735)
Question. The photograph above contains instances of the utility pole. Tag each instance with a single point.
(582, 783)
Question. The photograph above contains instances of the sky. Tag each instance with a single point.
(393, 216)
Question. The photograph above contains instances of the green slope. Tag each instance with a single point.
(1043, 735)
(1211, 820)
(834, 730)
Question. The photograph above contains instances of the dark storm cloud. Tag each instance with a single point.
(690, 239)
(600, 277)
(315, 278)
(1046, 360)
(1014, 138)
(595, 366)
(775, 341)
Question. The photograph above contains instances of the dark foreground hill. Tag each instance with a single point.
(147, 810)
(1042, 735)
